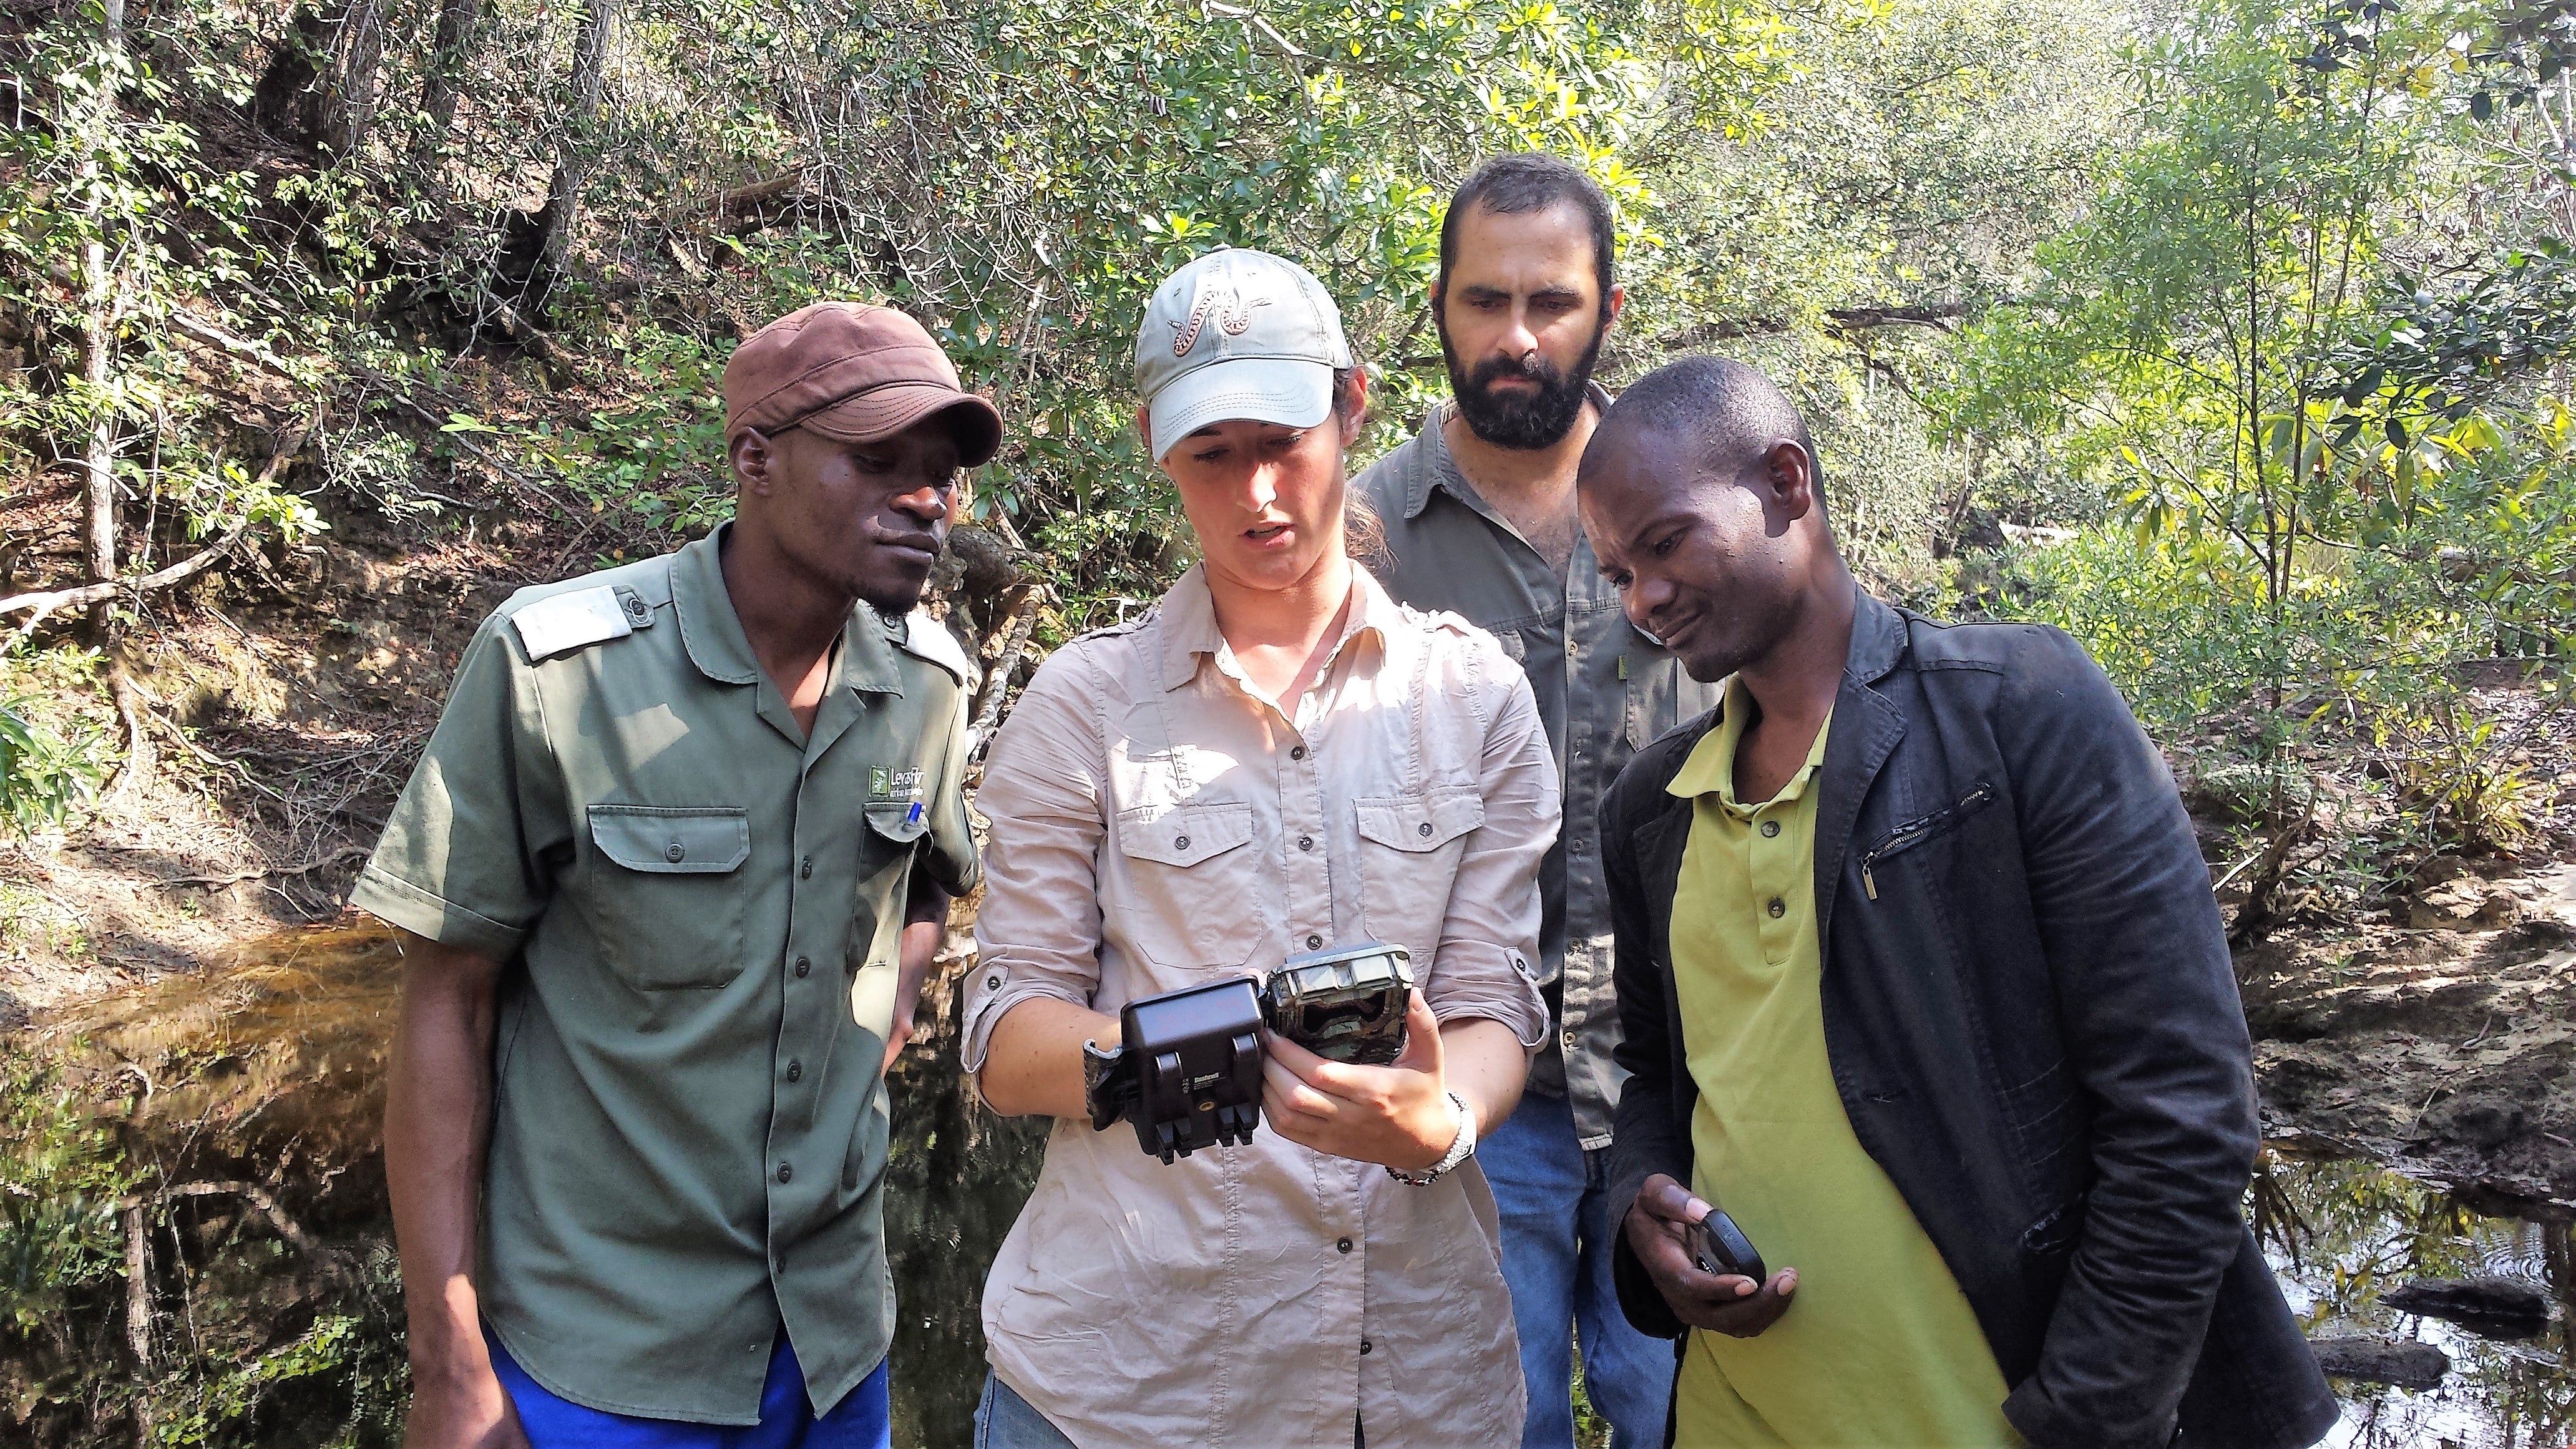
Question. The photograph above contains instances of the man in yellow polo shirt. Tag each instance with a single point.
(1747, 969)
(1921, 982)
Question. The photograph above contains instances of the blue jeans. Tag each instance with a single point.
(1557, 1235)
(860, 1421)
(1004, 1420)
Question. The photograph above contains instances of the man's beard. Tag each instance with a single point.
(1523, 422)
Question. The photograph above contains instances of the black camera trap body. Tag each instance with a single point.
(1345, 1005)
(1187, 1070)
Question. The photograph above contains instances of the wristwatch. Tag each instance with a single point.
(1459, 1151)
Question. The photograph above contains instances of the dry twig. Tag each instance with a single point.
(319, 862)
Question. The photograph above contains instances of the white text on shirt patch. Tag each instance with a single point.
(886, 785)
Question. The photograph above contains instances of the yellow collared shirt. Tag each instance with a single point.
(1879, 1349)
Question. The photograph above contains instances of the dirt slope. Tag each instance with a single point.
(2443, 1046)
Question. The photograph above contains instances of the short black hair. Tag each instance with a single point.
(1530, 181)
(1729, 408)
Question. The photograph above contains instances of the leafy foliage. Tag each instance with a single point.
(2329, 466)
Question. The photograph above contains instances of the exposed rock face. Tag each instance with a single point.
(2402, 1362)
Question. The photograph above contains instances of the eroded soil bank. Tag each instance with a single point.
(2442, 1046)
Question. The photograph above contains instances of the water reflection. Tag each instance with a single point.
(2343, 1233)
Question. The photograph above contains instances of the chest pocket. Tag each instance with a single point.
(1410, 846)
(667, 904)
(1199, 897)
(886, 852)
(895, 826)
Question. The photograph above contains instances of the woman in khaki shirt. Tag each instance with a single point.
(1276, 759)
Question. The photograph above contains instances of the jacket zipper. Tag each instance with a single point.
(1916, 831)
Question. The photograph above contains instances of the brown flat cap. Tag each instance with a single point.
(853, 373)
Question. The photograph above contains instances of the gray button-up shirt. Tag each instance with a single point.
(1603, 690)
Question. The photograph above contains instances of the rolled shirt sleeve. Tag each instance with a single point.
(1037, 932)
(465, 856)
(1488, 962)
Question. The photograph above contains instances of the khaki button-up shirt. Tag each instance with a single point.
(1603, 689)
(700, 909)
(1158, 822)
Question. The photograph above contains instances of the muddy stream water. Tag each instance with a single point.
(283, 1052)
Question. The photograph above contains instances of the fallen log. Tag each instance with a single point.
(2491, 1301)
(2400, 1362)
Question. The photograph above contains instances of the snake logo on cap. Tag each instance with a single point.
(1232, 310)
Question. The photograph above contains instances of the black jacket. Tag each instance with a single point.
(2033, 1024)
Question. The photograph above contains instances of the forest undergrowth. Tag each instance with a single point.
(2230, 335)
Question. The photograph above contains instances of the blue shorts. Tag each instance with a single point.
(787, 1419)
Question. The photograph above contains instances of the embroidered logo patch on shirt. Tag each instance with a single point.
(892, 786)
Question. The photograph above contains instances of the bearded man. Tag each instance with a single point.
(1477, 515)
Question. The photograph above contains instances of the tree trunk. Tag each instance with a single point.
(358, 53)
(573, 148)
(457, 20)
(98, 331)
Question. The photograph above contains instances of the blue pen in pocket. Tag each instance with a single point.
(913, 815)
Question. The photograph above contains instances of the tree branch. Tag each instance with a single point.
(328, 858)
(205, 558)
(87, 594)
(1837, 320)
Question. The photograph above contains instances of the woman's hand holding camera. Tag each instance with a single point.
(1398, 1115)
(1658, 1230)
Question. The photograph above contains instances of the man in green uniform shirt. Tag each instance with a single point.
(1921, 982)
(669, 875)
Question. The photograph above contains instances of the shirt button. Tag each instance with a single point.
(1777, 908)
(795, 1071)
(1365, 1347)
(1425, 829)
(1569, 1041)
(1344, 1245)
(1297, 752)
(1770, 828)
(1181, 844)
(1305, 842)
(1578, 845)
(803, 966)
(805, 868)
(675, 852)
(785, 1172)
(992, 983)
(1314, 943)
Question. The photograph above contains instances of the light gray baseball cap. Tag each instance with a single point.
(1237, 334)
